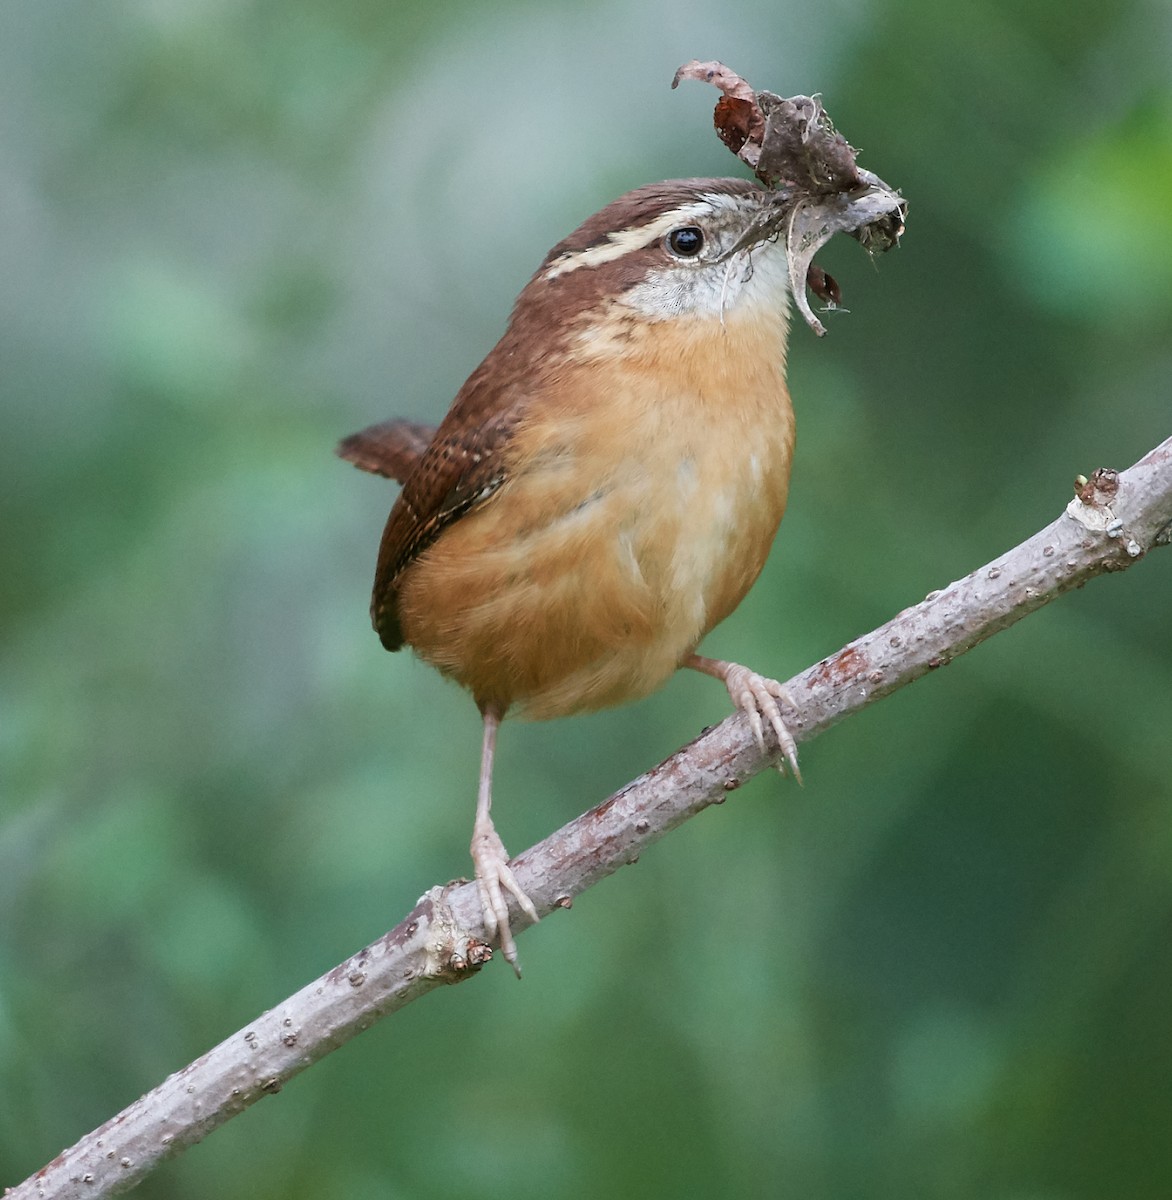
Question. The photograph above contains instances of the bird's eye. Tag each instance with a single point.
(686, 242)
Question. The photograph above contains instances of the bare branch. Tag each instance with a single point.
(1114, 520)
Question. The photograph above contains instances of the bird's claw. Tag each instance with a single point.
(757, 696)
(494, 877)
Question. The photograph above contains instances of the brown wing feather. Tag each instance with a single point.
(391, 449)
(462, 466)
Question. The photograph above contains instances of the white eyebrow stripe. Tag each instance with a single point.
(626, 240)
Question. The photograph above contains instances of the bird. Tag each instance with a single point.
(607, 484)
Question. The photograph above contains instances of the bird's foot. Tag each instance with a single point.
(757, 697)
(494, 877)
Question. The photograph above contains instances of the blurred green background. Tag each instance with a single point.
(232, 233)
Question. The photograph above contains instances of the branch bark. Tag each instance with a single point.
(1113, 522)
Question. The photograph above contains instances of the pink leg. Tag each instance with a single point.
(494, 877)
(756, 696)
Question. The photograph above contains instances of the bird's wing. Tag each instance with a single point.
(462, 466)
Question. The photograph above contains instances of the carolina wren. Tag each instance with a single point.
(607, 483)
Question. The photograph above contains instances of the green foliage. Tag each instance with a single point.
(234, 233)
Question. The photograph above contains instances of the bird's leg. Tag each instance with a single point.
(489, 855)
(756, 696)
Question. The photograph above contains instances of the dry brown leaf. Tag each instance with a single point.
(792, 146)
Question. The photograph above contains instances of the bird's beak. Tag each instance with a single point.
(775, 209)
